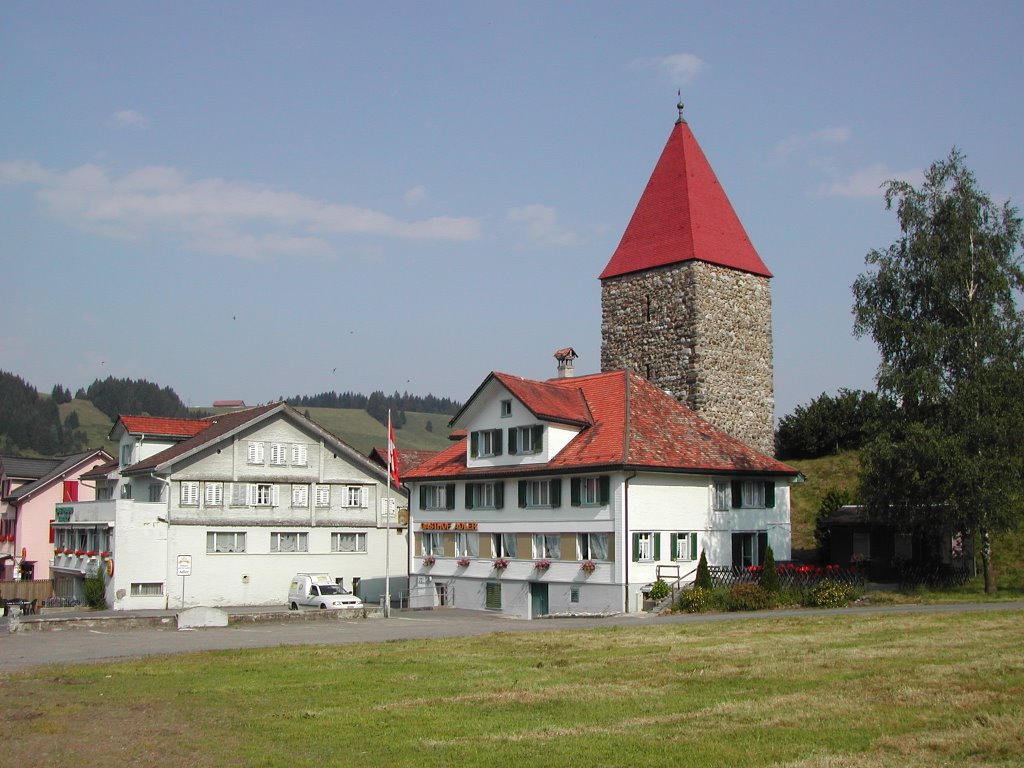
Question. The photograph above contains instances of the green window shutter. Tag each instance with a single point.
(606, 489)
(423, 497)
(769, 494)
(499, 495)
(693, 545)
(474, 444)
(469, 495)
(555, 492)
(657, 546)
(673, 541)
(737, 494)
(574, 491)
(497, 442)
(522, 493)
(762, 545)
(538, 438)
(449, 496)
(737, 550)
(636, 547)
(512, 447)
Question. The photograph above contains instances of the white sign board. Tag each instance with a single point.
(184, 565)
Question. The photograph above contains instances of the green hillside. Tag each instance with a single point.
(93, 422)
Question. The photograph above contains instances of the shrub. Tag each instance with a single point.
(95, 590)
(748, 597)
(831, 594)
(703, 577)
(769, 580)
(659, 590)
(696, 600)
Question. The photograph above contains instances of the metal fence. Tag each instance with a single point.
(791, 576)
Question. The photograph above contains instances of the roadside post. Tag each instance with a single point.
(184, 569)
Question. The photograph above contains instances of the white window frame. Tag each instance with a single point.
(300, 455)
(504, 545)
(487, 443)
(467, 544)
(357, 496)
(722, 501)
(506, 409)
(156, 492)
(278, 454)
(147, 589)
(538, 493)
(264, 495)
(225, 542)
(255, 453)
(752, 492)
(432, 543)
(644, 547)
(592, 546)
(524, 434)
(213, 494)
(547, 546)
(590, 491)
(289, 541)
(435, 496)
(300, 496)
(684, 547)
(188, 493)
(483, 496)
(323, 496)
(358, 540)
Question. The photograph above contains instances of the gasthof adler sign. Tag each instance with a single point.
(184, 565)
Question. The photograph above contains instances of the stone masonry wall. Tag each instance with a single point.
(703, 333)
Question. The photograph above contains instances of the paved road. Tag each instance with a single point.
(23, 650)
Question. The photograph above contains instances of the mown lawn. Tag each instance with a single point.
(825, 690)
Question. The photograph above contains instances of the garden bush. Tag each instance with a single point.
(831, 594)
(696, 600)
(769, 579)
(659, 590)
(95, 590)
(703, 578)
(748, 597)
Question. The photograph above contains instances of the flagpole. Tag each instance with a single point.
(387, 533)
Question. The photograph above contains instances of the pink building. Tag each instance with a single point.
(30, 490)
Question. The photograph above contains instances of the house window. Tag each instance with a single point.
(432, 543)
(323, 496)
(506, 408)
(484, 495)
(356, 496)
(285, 541)
(189, 494)
(646, 546)
(748, 548)
(147, 589)
(104, 492)
(126, 490)
(255, 454)
(547, 546)
(861, 545)
(300, 496)
(263, 495)
(156, 492)
(219, 542)
(126, 455)
(592, 546)
(723, 496)
(348, 542)
(214, 494)
(437, 496)
(299, 455)
(684, 546)
(503, 545)
(590, 491)
(484, 443)
(574, 594)
(278, 454)
(467, 544)
(540, 493)
(492, 596)
(753, 494)
(525, 440)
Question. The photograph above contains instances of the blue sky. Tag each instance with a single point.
(254, 200)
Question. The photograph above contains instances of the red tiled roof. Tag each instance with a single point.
(634, 426)
(683, 215)
(149, 425)
(406, 459)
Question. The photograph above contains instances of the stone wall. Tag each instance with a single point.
(701, 332)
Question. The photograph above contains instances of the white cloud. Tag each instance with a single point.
(415, 196)
(540, 222)
(867, 182)
(129, 118)
(681, 68)
(215, 215)
(801, 142)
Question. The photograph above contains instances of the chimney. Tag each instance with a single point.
(565, 358)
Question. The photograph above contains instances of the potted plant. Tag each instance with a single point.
(428, 561)
(104, 554)
(462, 562)
(501, 564)
(542, 565)
(588, 566)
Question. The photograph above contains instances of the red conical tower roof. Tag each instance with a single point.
(684, 215)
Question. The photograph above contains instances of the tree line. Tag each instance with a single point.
(29, 422)
(377, 404)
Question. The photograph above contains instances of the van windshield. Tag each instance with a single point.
(332, 589)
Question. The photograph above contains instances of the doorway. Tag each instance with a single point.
(538, 599)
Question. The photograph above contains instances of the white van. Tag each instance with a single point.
(316, 590)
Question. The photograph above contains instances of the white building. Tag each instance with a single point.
(574, 494)
(241, 502)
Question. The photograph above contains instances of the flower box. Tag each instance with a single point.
(462, 562)
(542, 565)
(90, 553)
(501, 564)
(104, 554)
(428, 561)
(79, 552)
(588, 566)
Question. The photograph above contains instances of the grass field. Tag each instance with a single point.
(821, 690)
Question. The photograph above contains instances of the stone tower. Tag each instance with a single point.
(686, 300)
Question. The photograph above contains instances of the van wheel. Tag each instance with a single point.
(323, 605)
(293, 607)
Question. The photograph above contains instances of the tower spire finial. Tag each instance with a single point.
(679, 106)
